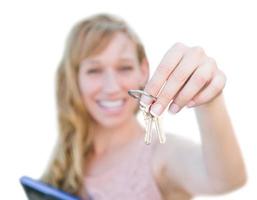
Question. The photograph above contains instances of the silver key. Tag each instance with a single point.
(148, 122)
(149, 118)
(161, 135)
(148, 133)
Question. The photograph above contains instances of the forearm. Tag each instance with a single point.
(221, 152)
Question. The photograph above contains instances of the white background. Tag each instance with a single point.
(32, 36)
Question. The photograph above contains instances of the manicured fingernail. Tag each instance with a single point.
(145, 100)
(191, 104)
(156, 109)
(174, 108)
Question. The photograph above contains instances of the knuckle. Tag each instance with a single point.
(217, 86)
(223, 76)
(178, 45)
(212, 62)
(198, 50)
(225, 79)
(208, 68)
(220, 80)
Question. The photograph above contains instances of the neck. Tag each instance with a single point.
(107, 140)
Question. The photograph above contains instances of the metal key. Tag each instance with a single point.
(152, 120)
(161, 135)
(148, 122)
(149, 118)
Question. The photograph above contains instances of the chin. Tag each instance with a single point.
(111, 122)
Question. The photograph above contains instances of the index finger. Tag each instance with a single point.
(169, 62)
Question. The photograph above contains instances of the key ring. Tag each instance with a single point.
(137, 94)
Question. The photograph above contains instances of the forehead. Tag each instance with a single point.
(119, 47)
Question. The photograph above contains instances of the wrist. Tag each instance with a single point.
(214, 103)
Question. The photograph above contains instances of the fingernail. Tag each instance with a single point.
(174, 108)
(145, 100)
(191, 104)
(156, 110)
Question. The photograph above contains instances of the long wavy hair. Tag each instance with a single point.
(66, 169)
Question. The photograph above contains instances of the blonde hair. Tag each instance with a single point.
(67, 167)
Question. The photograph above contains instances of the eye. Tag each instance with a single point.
(126, 68)
(93, 71)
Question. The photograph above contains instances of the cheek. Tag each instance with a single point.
(132, 81)
(88, 87)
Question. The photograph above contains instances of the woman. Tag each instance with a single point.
(100, 151)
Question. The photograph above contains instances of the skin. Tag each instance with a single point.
(193, 79)
(108, 76)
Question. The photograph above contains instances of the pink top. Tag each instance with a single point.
(131, 178)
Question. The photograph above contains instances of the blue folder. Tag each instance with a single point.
(37, 190)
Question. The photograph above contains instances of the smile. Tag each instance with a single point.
(111, 104)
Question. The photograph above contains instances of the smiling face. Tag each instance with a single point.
(105, 78)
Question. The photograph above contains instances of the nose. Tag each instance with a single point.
(111, 83)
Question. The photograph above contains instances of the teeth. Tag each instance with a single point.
(111, 104)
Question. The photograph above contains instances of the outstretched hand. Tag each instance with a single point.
(186, 76)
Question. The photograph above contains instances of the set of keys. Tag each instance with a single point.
(149, 119)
